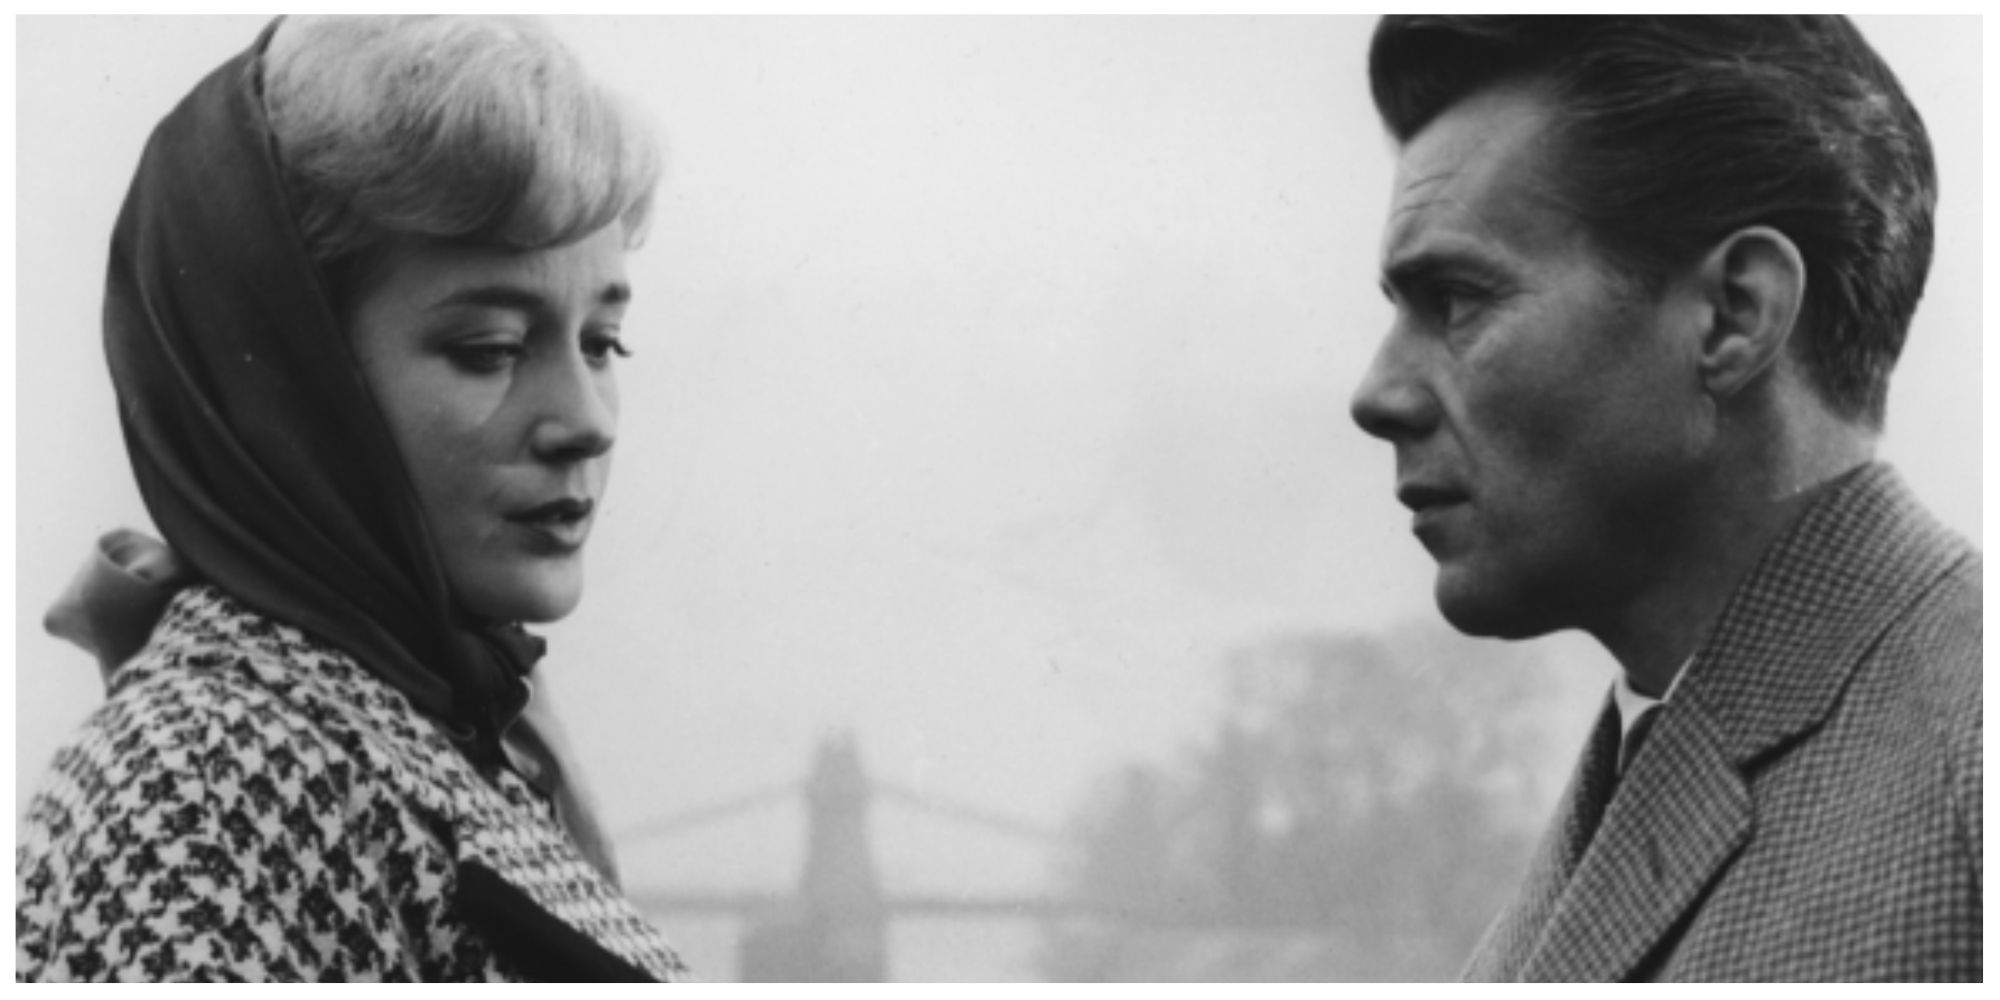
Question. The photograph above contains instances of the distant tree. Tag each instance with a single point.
(1359, 811)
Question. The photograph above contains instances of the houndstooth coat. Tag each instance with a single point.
(1808, 805)
(250, 804)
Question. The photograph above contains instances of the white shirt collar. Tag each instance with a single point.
(1631, 704)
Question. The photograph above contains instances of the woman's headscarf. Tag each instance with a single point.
(258, 447)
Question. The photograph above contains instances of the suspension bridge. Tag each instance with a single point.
(831, 926)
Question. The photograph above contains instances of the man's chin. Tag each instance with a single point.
(1487, 614)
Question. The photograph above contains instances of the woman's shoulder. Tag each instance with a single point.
(192, 705)
(224, 694)
(215, 687)
(223, 709)
(214, 659)
(229, 814)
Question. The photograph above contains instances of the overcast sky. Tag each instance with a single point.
(991, 384)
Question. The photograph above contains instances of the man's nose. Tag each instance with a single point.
(1394, 401)
(578, 412)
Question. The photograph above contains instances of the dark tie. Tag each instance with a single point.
(1605, 760)
(1636, 736)
(1597, 778)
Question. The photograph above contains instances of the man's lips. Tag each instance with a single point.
(1420, 497)
(1431, 508)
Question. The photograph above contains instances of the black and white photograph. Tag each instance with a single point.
(1085, 499)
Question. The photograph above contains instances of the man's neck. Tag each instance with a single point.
(1751, 503)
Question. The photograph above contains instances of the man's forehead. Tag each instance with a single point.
(1478, 171)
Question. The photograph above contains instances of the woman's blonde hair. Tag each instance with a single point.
(455, 129)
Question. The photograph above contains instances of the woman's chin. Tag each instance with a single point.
(528, 598)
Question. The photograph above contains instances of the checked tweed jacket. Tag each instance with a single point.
(1807, 806)
(250, 804)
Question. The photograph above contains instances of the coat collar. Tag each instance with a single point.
(521, 880)
(1771, 670)
(1782, 652)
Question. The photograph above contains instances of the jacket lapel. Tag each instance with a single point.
(525, 882)
(521, 880)
(1681, 813)
(545, 947)
(1772, 669)
(1511, 941)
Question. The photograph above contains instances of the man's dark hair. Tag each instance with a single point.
(1676, 131)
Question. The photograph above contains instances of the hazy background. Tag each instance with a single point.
(990, 392)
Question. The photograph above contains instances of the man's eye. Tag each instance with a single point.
(484, 357)
(1454, 304)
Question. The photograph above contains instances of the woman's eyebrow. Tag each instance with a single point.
(493, 297)
(521, 299)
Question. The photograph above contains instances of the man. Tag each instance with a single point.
(1650, 277)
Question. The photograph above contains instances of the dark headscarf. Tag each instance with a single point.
(258, 447)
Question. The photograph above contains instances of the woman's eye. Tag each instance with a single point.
(482, 357)
(599, 347)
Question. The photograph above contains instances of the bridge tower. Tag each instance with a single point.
(834, 930)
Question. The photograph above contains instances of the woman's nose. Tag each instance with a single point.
(1394, 401)
(578, 415)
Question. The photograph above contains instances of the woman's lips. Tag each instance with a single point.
(559, 526)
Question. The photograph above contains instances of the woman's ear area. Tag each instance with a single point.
(1754, 281)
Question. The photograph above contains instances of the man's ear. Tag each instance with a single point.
(1755, 282)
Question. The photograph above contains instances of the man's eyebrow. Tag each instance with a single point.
(1431, 266)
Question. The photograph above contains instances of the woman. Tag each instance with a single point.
(362, 312)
